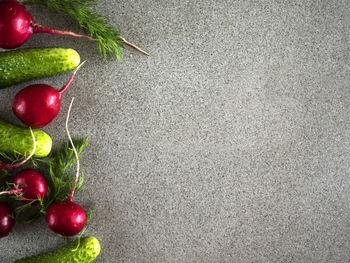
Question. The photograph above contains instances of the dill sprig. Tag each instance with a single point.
(62, 177)
(110, 42)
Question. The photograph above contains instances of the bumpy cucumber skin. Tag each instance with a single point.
(88, 250)
(16, 139)
(21, 65)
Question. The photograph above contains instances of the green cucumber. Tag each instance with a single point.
(26, 64)
(88, 250)
(16, 139)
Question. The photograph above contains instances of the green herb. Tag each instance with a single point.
(4, 178)
(27, 213)
(110, 42)
(12, 157)
(61, 177)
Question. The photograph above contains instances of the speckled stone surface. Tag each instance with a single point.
(231, 143)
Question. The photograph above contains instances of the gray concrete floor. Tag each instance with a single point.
(231, 143)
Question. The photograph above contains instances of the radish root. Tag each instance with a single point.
(14, 191)
(75, 153)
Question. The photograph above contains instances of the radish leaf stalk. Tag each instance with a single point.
(65, 87)
(109, 40)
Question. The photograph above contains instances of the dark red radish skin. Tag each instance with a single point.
(7, 220)
(17, 25)
(32, 183)
(37, 105)
(66, 218)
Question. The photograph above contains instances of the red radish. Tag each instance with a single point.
(66, 217)
(38, 104)
(6, 219)
(17, 25)
(32, 184)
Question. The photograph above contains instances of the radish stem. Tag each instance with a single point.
(6, 166)
(37, 28)
(75, 152)
(63, 90)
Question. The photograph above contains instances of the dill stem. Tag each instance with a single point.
(134, 46)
